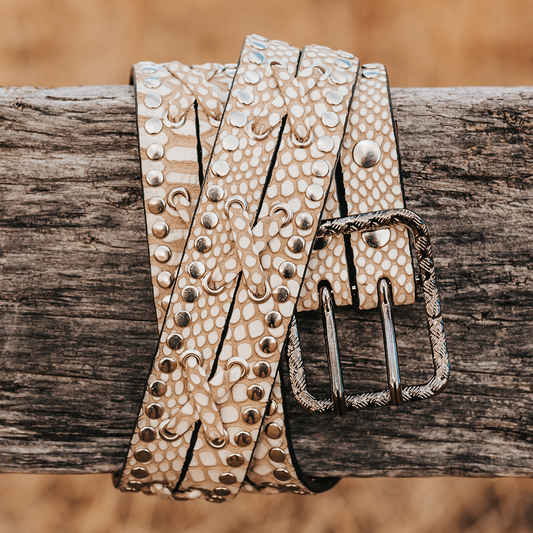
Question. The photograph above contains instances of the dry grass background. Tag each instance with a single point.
(423, 43)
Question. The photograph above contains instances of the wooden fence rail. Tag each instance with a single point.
(77, 325)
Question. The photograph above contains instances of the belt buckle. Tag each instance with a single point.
(395, 394)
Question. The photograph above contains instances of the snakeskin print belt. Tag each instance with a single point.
(241, 166)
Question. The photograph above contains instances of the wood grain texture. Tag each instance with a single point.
(77, 323)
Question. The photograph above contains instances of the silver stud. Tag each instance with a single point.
(155, 151)
(252, 77)
(235, 460)
(251, 415)
(154, 410)
(282, 474)
(219, 168)
(165, 302)
(153, 125)
(268, 344)
(296, 244)
(174, 341)
(152, 82)
(272, 408)
(160, 230)
(281, 294)
(287, 271)
(256, 57)
(209, 220)
(261, 369)
(277, 455)
(304, 220)
(148, 70)
(162, 254)
(154, 178)
(152, 100)
(343, 63)
(147, 434)
(314, 192)
(227, 478)
(325, 144)
(230, 143)
(377, 238)
(196, 269)
(215, 193)
(255, 392)
(258, 45)
(182, 318)
(273, 431)
(168, 365)
(139, 472)
(190, 293)
(273, 319)
(333, 97)
(143, 455)
(158, 388)
(344, 54)
(156, 205)
(245, 96)
(372, 65)
(339, 77)
(165, 279)
(259, 37)
(320, 168)
(230, 72)
(221, 491)
(203, 244)
(321, 243)
(370, 74)
(366, 153)
(238, 119)
(330, 119)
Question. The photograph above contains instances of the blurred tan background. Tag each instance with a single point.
(423, 43)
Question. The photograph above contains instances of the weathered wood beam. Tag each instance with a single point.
(77, 325)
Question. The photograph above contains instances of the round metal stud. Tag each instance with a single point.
(272, 408)
(366, 153)
(230, 143)
(321, 243)
(341, 62)
(174, 341)
(261, 369)
(182, 318)
(168, 365)
(287, 271)
(259, 37)
(165, 279)
(277, 455)
(221, 491)
(268, 344)
(215, 499)
(135, 486)
(152, 82)
(158, 388)
(175, 193)
(333, 97)
(230, 73)
(304, 220)
(220, 442)
(296, 244)
(370, 74)
(160, 230)
(339, 77)
(243, 438)
(259, 45)
(189, 293)
(320, 168)
(245, 96)
(162, 254)
(255, 392)
(314, 192)
(273, 319)
(156, 205)
(203, 244)
(165, 302)
(330, 119)
(155, 152)
(281, 294)
(377, 238)
(147, 434)
(273, 431)
(148, 70)
(282, 474)
(371, 65)
(196, 269)
(209, 220)
(154, 178)
(344, 54)
(256, 57)
(219, 168)
(325, 144)
(215, 193)
(191, 353)
(227, 478)
(154, 410)
(252, 77)
(152, 100)
(251, 416)
(235, 460)
(153, 125)
(238, 119)
(139, 472)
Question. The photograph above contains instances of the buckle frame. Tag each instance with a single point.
(395, 394)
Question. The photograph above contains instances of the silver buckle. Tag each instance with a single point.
(395, 394)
